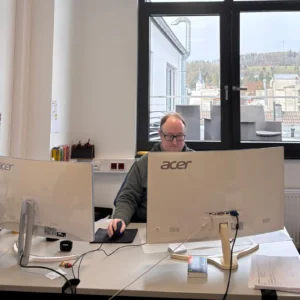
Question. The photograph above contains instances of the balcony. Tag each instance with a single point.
(281, 112)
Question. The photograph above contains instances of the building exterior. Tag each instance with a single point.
(166, 65)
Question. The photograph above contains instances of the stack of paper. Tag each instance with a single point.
(275, 273)
(271, 237)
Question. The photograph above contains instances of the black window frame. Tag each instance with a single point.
(229, 12)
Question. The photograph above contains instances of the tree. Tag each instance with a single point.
(268, 78)
(261, 76)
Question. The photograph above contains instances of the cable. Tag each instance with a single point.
(78, 271)
(81, 256)
(46, 268)
(144, 273)
(121, 248)
(235, 214)
(95, 250)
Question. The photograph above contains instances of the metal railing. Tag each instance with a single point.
(276, 108)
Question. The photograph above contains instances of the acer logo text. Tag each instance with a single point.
(179, 165)
(5, 167)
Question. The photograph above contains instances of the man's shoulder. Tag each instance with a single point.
(143, 160)
(187, 149)
(140, 166)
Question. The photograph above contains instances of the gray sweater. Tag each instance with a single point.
(132, 199)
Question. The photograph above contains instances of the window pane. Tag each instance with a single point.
(185, 74)
(269, 69)
(258, 0)
(185, 0)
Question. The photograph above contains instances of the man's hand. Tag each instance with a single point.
(112, 226)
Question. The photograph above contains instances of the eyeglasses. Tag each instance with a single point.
(170, 137)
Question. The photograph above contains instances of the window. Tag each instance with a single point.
(270, 71)
(192, 81)
(185, 0)
(236, 84)
(170, 88)
(259, 0)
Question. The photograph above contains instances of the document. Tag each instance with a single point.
(275, 273)
(271, 237)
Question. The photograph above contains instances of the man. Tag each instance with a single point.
(132, 200)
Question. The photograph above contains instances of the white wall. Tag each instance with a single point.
(291, 174)
(105, 106)
(163, 52)
(95, 81)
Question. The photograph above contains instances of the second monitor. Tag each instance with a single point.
(191, 190)
(48, 198)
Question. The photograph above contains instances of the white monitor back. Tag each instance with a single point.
(62, 192)
(184, 187)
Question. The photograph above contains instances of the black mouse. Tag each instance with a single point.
(117, 233)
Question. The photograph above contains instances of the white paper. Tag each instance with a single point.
(275, 272)
(203, 248)
(53, 275)
(276, 236)
(104, 220)
(214, 251)
(244, 241)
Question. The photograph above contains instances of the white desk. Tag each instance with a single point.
(15, 278)
(101, 275)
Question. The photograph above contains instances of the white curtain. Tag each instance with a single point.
(7, 38)
(26, 55)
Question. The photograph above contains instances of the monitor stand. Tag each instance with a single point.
(223, 261)
(24, 242)
(26, 221)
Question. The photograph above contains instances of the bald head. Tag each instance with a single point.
(171, 115)
(172, 132)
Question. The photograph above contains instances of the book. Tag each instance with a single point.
(197, 266)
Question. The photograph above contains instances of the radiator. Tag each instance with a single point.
(292, 214)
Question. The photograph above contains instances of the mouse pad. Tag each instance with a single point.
(128, 236)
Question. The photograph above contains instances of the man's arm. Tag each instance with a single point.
(130, 196)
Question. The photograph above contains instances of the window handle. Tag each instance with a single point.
(236, 88)
(226, 92)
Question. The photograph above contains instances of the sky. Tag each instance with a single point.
(259, 32)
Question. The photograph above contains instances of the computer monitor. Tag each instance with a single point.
(191, 190)
(46, 198)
